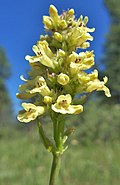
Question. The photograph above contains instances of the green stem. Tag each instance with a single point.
(55, 126)
(58, 125)
(60, 134)
(55, 169)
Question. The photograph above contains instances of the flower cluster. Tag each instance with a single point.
(57, 72)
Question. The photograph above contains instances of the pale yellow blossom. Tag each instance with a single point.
(98, 86)
(40, 87)
(63, 105)
(41, 55)
(30, 112)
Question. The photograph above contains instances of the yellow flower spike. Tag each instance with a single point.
(47, 22)
(58, 74)
(30, 112)
(53, 14)
(63, 79)
(58, 36)
(63, 105)
(47, 99)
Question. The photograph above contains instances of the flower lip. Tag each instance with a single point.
(63, 104)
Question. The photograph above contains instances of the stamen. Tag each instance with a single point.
(77, 60)
(29, 110)
(63, 103)
(40, 53)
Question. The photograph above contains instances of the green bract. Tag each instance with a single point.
(57, 72)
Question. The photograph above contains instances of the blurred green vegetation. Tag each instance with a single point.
(5, 102)
(23, 160)
(99, 122)
(111, 58)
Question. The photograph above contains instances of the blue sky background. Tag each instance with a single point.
(21, 25)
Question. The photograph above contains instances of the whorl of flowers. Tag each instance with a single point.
(57, 72)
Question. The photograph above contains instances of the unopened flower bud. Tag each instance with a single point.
(81, 18)
(71, 11)
(61, 53)
(47, 22)
(58, 36)
(53, 13)
(63, 24)
(63, 79)
(47, 99)
(85, 20)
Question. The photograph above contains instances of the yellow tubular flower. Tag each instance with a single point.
(30, 112)
(40, 87)
(47, 22)
(82, 24)
(53, 14)
(27, 85)
(78, 36)
(83, 61)
(45, 48)
(98, 86)
(63, 105)
(24, 95)
(41, 56)
(63, 79)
